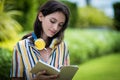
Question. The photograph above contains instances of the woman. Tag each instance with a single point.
(50, 24)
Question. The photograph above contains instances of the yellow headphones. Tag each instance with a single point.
(39, 43)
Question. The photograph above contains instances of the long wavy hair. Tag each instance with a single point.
(47, 8)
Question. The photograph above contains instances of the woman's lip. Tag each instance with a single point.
(53, 32)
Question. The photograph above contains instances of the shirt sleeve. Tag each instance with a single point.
(17, 63)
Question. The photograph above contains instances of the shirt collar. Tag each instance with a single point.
(53, 43)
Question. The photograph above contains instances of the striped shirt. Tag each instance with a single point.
(25, 56)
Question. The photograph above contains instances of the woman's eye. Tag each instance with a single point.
(52, 21)
(61, 25)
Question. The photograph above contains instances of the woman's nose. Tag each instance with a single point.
(55, 27)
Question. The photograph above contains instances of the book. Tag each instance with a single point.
(65, 72)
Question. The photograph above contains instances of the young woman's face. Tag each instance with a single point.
(52, 23)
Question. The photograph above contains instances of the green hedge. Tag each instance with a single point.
(5, 63)
(87, 44)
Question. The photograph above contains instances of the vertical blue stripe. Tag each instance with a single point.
(18, 46)
(58, 57)
(28, 54)
(63, 55)
(53, 59)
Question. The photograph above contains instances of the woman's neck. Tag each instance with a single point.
(46, 39)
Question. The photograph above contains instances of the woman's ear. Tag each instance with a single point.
(40, 16)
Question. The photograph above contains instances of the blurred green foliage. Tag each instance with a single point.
(5, 63)
(92, 17)
(91, 43)
(9, 27)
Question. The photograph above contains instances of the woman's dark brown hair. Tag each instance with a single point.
(47, 8)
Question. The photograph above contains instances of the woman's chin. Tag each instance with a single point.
(50, 36)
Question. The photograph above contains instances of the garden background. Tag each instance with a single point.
(92, 37)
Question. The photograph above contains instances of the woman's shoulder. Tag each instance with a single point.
(24, 42)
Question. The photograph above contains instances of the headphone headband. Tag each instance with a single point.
(34, 36)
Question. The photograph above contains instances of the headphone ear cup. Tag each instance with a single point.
(39, 44)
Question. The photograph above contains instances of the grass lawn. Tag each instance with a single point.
(103, 68)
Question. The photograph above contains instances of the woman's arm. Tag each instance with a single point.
(17, 64)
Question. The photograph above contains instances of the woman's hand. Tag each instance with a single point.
(42, 76)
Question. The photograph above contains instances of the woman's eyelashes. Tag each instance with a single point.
(61, 25)
(53, 21)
